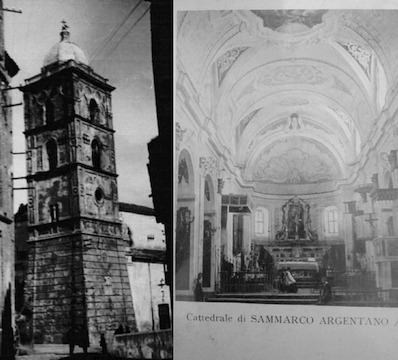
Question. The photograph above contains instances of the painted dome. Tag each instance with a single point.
(65, 50)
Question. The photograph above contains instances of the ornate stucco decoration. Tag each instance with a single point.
(295, 161)
(294, 122)
(179, 133)
(360, 55)
(225, 61)
(343, 116)
(182, 135)
(245, 121)
(293, 74)
(386, 161)
(293, 101)
(208, 165)
(276, 126)
(96, 227)
(310, 125)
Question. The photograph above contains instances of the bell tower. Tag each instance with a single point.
(77, 267)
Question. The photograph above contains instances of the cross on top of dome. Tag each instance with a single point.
(65, 50)
(64, 32)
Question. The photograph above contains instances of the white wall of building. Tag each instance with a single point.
(146, 232)
(146, 278)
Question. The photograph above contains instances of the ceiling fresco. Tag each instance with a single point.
(295, 161)
(280, 20)
(252, 70)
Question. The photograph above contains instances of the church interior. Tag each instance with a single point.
(285, 152)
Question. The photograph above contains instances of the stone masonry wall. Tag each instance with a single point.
(77, 281)
(56, 287)
(108, 294)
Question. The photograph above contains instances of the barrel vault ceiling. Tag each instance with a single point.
(292, 94)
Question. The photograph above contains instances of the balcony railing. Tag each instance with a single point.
(244, 282)
(257, 281)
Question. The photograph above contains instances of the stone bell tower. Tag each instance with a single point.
(77, 267)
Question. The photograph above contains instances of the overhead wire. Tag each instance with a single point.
(95, 55)
(124, 36)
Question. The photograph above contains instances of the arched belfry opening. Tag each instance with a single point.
(52, 154)
(49, 111)
(93, 110)
(96, 154)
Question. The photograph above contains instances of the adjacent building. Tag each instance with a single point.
(8, 69)
(146, 264)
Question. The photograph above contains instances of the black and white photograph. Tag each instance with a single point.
(85, 177)
(286, 179)
(285, 139)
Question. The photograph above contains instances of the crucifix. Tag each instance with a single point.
(371, 222)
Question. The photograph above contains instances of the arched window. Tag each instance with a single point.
(49, 111)
(93, 109)
(261, 222)
(52, 154)
(207, 191)
(331, 221)
(96, 153)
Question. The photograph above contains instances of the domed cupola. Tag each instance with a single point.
(65, 50)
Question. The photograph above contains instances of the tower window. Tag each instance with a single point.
(93, 109)
(99, 196)
(96, 153)
(49, 111)
(52, 154)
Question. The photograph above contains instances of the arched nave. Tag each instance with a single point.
(285, 146)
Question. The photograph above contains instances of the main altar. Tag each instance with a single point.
(297, 240)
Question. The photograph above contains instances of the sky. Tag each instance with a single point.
(115, 35)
